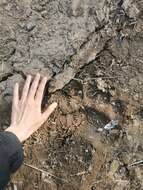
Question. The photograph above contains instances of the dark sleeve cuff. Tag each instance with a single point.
(11, 151)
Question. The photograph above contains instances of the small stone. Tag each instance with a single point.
(30, 25)
(111, 125)
(100, 129)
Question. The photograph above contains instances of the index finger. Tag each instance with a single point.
(40, 91)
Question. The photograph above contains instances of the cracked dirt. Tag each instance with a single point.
(92, 53)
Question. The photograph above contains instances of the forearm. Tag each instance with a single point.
(26, 118)
(11, 156)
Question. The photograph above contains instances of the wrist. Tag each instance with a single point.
(16, 130)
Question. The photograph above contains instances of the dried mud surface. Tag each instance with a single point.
(92, 53)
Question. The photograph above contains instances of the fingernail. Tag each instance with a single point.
(45, 78)
(55, 104)
(16, 84)
(38, 75)
(28, 76)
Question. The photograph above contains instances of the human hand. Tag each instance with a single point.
(26, 115)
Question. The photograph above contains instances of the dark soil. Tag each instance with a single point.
(92, 53)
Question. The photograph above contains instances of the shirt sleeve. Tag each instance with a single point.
(11, 156)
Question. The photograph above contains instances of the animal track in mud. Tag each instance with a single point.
(91, 52)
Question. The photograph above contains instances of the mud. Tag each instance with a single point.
(92, 53)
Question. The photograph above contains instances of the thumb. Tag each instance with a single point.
(49, 110)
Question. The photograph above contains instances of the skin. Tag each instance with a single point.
(27, 116)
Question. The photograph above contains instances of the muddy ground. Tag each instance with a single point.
(92, 53)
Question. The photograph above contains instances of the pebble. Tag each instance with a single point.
(30, 25)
